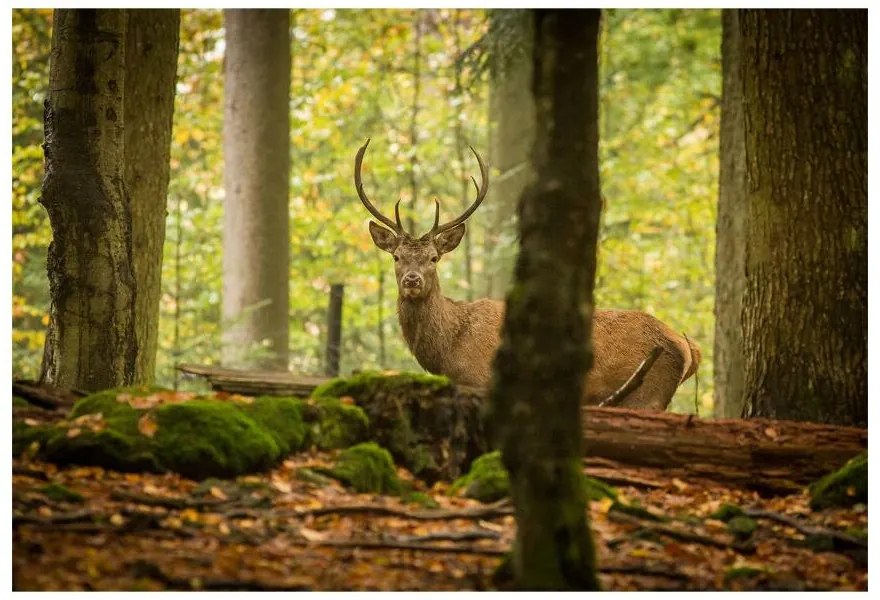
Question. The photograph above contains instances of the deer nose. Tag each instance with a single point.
(411, 279)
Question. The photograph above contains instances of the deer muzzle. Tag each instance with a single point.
(411, 280)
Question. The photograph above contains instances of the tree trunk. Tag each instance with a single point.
(544, 353)
(334, 330)
(151, 46)
(512, 119)
(91, 342)
(805, 309)
(730, 228)
(256, 145)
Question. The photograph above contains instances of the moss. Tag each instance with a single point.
(734, 573)
(370, 382)
(19, 402)
(422, 499)
(59, 493)
(108, 403)
(844, 487)
(337, 424)
(742, 527)
(367, 467)
(205, 438)
(312, 477)
(110, 448)
(282, 418)
(24, 435)
(597, 490)
(636, 511)
(726, 512)
(487, 480)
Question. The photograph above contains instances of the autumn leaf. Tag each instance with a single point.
(73, 432)
(147, 425)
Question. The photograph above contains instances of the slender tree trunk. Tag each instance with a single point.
(151, 47)
(414, 114)
(805, 309)
(91, 342)
(334, 330)
(257, 162)
(512, 115)
(730, 228)
(458, 94)
(546, 349)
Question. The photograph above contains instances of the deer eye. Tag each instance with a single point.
(435, 259)
(396, 258)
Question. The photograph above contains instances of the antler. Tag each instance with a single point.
(396, 227)
(481, 193)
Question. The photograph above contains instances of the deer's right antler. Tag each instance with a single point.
(396, 227)
(481, 193)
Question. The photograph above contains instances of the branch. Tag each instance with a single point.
(804, 528)
(498, 509)
(678, 534)
(635, 380)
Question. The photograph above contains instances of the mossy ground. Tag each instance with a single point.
(844, 487)
(367, 468)
(133, 429)
(369, 383)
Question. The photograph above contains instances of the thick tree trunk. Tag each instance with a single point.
(151, 46)
(256, 145)
(91, 342)
(512, 120)
(730, 228)
(545, 348)
(805, 309)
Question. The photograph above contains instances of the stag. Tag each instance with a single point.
(459, 339)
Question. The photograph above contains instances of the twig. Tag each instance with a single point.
(677, 534)
(652, 571)
(166, 501)
(805, 528)
(71, 517)
(635, 380)
(498, 509)
(148, 569)
(400, 545)
(452, 536)
(16, 470)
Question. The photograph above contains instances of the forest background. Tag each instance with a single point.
(419, 84)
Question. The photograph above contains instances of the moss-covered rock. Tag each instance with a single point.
(487, 480)
(335, 424)
(145, 428)
(24, 435)
(371, 383)
(742, 527)
(367, 468)
(59, 493)
(726, 512)
(283, 418)
(844, 487)
(429, 425)
(207, 438)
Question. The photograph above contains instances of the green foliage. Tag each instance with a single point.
(367, 468)
(352, 78)
(844, 487)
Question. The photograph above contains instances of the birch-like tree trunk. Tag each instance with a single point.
(256, 145)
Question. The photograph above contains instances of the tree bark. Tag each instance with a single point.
(805, 308)
(730, 228)
(512, 120)
(545, 348)
(151, 47)
(256, 145)
(91, 342)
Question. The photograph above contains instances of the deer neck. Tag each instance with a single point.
(430, 327)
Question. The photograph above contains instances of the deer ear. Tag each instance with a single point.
(449, 240)
(383, 238)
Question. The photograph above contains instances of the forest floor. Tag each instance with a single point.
(88, 528)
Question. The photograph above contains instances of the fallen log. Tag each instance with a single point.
(255, 383)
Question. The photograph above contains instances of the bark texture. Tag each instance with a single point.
(805, 309)
(90, 342)
(730, 228)
(545, 347)
(512, 114)
(151, 46)
(256, 146)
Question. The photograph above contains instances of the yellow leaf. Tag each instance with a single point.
(73, 432)
(147, 425)
(217, 493)
(117, 519)
(312, 535)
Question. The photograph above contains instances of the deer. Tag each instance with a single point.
(459, 339)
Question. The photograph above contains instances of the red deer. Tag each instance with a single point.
(459, 339)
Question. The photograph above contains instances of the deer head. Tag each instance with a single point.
(415, 258)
